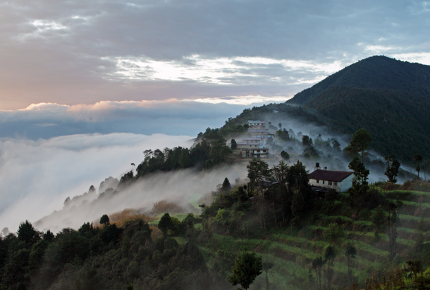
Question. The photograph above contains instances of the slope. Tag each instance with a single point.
(389, 98)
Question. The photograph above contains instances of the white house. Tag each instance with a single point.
(341, 181)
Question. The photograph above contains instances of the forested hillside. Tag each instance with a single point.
(390, 98)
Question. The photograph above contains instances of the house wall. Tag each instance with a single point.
(313, 182)
(346, 183)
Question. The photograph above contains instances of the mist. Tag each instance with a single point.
(37, 176)
(328, 156)
(182, 187)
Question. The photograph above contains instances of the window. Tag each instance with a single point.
(335, 183)
(318, 181)
(323, 181)
(329, 183)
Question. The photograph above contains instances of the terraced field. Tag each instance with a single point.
(292, 251)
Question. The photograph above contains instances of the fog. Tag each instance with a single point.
(329, 157)
(181, 187)
(37, 176)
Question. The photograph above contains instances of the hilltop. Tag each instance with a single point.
(388, 97)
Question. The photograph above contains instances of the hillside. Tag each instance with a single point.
(390, 98)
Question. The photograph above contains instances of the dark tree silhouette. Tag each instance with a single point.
(104, 220)
(359, 144)
(392, 168)
(246, 268)
(418, 159)
(233, 144)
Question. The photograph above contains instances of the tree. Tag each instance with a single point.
(359, 144)
(378, 220)
(306, 141)
(297, 204)
(266, 267)
(359, 182)
(392, 168)
(329, 256)
(350, 252)
(333, 234)
(165, 223)
(104, 220)
(246, 268)
(27, 233)
(317, 265)
(418, 158)
(336, 145)
(280, 126)
(233, 144)
(285, 155)
(280, 172)
(258, 171)
(226, 186)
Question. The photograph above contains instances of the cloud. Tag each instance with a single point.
(73, 53)
(172, 117)
(37, 176)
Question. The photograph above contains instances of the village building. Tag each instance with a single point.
(260, 152)
(341, 181)
(256, 124)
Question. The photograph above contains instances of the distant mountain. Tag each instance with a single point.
(387, 97)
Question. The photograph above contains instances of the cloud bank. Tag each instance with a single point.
(37, 176)
(172, 117)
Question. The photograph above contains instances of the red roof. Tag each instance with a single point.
(330, 175)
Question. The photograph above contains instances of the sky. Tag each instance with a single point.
(82, 70)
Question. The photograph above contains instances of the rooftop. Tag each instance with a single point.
(330, 175)
(255, 122)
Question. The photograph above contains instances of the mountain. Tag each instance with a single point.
(387, 97)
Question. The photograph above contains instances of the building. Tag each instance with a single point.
(341, 181)
(247, 145)
(256, 124)
(260, 152)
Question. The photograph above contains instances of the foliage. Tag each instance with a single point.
(392, 168)
(233, 144)
(285, 155)
(246, 268)
(333, 234)
(378, 220)
(104, 220)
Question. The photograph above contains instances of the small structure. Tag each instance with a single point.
(341, 181)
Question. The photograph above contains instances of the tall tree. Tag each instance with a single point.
(418, 158)
(233, 144)
(360, 143)
(378, 220)
(266, 267)
(359, 182)
(27, 233)
(329, 256)
(258, 171)
(226, 186)
(246, 268)
(350, 253)
(104, 220)
(392, 168)
(165, 223)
